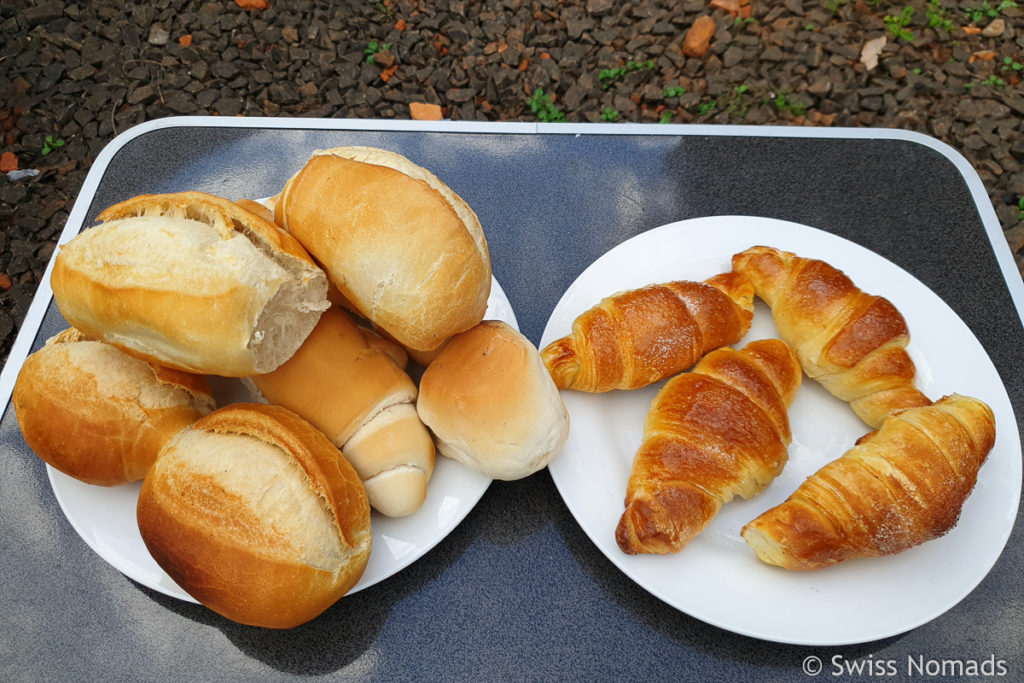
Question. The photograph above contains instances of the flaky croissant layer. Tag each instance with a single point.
(719, 431)
(898, 487)
(852, 342)
(636, 338)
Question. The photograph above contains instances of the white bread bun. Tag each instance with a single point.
(355, 393)
(492, 405)
(403, 249)
(98, 414)
(191, 281)
(256, 515)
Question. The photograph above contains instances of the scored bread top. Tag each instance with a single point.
(402, 248)
(193, 282)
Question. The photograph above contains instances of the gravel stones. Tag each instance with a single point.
(84, 72)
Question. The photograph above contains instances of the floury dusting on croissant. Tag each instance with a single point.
(900, 486)
(852, 342)
(638, 337)
(713, 433)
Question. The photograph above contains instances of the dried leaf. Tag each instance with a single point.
(869, 53)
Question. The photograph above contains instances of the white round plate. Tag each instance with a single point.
(717, 578)
(105, 517)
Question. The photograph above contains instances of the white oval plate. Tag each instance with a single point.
(105, 517)
(717, 578)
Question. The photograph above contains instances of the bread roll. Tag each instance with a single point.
(362, 400)
(256, 515)
(191, 281)
(492, 405)
(403, 249)
(98, 414)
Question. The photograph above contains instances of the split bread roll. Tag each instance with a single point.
(98, 414)
(364, 403)
(898, 487)
(852, 342)
(636, 338)
(257, 516)
(718, 431)
(191, 281)
(402, 248)
(491, 404)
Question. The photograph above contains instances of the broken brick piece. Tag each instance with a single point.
(8, 162)
(698, 37)
(252, 4)
(730, 6)
(422, 111)
(185, 40)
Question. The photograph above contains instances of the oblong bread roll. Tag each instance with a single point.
(99, 415)
(256, 515)
(363, 401)
(403, 249)
(191, 281)
(491, 404)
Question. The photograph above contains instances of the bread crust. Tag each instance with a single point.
(852, 342)
(898, 487)
(403, 249)
(718, 431)
(635, 338)
(347, 388)
(213, 531)
(190, 281)
(491, 404)
(100, 415)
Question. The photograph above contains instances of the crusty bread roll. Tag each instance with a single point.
(492, 405)
(98, 414)
(403, 249)
(256, 515)
(191, 281)
(357, 395)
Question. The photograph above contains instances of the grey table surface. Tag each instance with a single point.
(517, 591)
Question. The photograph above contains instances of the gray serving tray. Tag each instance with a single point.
(517, 590)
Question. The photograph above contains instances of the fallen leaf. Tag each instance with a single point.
(972, 30)
(985, 55)
(8, 162)
(422, 111)
(400, 25)
(869, 53)
(386, 74)
(524, 65)
(252, 4)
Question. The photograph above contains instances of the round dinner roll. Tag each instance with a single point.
(99, 415)
(257, 516)
(191, 281)
(402, 248)
(492, 405)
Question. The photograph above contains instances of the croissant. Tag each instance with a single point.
(898, 487)
(715, 432)
(851, 342)
(344, 382)
(638, 337)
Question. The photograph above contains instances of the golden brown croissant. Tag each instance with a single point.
(638, 337)
(717, 431)
(898, 487)
(852, 342)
